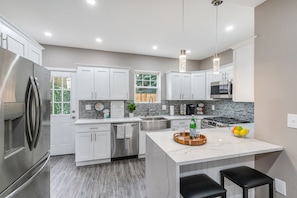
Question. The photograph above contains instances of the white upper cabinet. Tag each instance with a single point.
(17, 42)
(119, 84)
(243, 81)
(101, 86)
(209, 79)
(92, 83)
(198, 86)
(178, 86)
(85, 83)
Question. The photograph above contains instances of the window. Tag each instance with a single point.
(147, 87)
(60, 95)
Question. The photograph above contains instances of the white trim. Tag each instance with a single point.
(14, 28)
(105, 66)
(61, 69)
(147, 72)
(244, 43)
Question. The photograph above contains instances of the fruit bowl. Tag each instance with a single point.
(238, 131)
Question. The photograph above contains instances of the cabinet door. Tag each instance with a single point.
(34, 54)
(85, 83)
(83, 146)
(209, 79)
(243, 82)
(198, 86)
(101, 80)
(142, 142)
(14, 42)
(176, 86)
(186, 87)
(101, 142)
(119, 84)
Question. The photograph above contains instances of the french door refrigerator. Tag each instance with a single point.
(24, 128)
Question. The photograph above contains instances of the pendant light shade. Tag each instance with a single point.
(182, 61)
(216, 59)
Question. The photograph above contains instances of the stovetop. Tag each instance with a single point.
(226, 120)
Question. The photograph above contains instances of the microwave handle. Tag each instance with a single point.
(229, 89)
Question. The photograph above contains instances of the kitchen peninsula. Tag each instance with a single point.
(167, 161)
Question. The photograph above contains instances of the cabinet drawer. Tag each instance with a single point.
(93, 127)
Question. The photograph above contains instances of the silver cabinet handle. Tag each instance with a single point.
(93, 127)
(91, 137)
(1, 37)
(95, 137)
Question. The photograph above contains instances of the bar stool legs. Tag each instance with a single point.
(247, 178)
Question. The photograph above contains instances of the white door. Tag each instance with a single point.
(63, 112)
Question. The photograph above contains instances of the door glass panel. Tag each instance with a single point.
(60, 95)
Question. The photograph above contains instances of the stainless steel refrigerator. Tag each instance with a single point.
(24, 127)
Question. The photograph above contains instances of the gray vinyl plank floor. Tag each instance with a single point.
(118, 179)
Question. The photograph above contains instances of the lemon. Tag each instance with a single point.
(243, 132)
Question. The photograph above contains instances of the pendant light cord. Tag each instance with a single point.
(183, 13)
(216, 31)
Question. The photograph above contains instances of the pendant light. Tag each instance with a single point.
(182, 56)
(216, 59)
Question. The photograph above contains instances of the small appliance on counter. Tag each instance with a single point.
(200, 108)
(190, 109)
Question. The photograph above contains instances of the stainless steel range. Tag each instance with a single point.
(220, 122)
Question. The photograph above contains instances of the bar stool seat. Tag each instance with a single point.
(247, 178)
(200, 186)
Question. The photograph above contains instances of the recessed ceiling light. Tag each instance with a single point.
(155, 47)
(229, 28)
(188, 51)
(48, 34)
(91, 2)
(98, 40)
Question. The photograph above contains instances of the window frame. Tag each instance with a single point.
(158, 87)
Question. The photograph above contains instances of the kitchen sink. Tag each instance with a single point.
(154, 123)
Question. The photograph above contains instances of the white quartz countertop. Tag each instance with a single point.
(221, 144)
(135, 119)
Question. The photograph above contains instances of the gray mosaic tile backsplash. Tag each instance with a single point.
(228, 108)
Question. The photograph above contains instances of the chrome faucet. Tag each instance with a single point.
(150, 105)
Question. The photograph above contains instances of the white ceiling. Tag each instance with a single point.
(134, 26)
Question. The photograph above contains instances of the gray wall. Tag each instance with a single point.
(275, 94)
(226, 58)
(66, 57)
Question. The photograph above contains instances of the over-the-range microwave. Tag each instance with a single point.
(221, 89)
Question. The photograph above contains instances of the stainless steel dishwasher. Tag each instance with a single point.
(124, 140)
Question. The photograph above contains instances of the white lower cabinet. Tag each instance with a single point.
(92, 144)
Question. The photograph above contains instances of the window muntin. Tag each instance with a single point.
(60, 95)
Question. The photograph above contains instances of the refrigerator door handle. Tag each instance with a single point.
(30, 180)
(39, 114)
(29, 121)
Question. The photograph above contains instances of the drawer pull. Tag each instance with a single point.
(94, 128)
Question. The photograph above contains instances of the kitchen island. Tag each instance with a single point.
(167, 161)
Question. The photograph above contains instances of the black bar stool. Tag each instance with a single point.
(247, 178)
(200, 186)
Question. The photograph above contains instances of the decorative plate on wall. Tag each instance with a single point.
(99, 106)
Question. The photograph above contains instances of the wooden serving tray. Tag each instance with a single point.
(184, 138)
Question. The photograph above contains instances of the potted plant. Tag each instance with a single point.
(131, 109)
